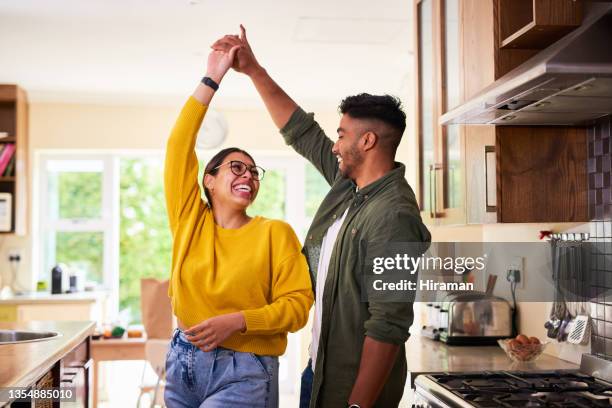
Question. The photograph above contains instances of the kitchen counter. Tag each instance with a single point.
(23, 364)
(428, 356)
(47, 297)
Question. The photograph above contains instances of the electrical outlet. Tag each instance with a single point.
(516, 264)
(15, 255)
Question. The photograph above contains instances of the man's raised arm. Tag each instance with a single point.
(298, 128)
(279, 104)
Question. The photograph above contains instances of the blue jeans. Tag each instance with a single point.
(220, 378)
(306, 387)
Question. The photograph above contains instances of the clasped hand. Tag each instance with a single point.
(210, 333)
(244, 60)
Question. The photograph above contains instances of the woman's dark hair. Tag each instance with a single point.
(216, 161)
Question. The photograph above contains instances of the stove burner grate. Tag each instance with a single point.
(528, 389)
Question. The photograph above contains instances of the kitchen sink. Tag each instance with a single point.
(23, 336)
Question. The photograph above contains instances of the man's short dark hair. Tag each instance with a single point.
(383, 108)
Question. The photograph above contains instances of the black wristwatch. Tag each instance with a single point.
(209, 82)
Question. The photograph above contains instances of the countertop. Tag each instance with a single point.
(428, 356)
(23, 364)
(46, 297)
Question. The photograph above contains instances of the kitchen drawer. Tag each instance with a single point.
(76, 371)
(8, 313)
(78, 356)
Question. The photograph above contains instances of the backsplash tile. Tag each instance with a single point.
(599, 170)
(601, 289)
(600, 212)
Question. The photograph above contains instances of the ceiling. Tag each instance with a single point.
(153, 51)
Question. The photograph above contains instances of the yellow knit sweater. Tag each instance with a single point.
(257, 269)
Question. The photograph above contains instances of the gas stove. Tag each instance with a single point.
(564, 388)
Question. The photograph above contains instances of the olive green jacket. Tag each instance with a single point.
(384, 211)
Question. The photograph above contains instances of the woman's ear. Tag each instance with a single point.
(209, 181)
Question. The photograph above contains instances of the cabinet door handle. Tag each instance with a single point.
(68, 378)
(437, 167)
(85, 365)
(490, 191)
(432, 191)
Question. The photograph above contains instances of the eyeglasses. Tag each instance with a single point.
(239, 168)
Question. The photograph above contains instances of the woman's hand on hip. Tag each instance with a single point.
(209, 334)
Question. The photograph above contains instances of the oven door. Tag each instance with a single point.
(424, 399)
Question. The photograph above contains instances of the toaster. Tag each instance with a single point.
(475, 318)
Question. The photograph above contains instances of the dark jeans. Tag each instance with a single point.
(306, 388)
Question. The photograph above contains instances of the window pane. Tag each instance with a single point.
(270, 201)
(316, 189)
(145, 247)
(451, 54)
(75, 189)
(453, 183)
(81, 251)
(80, 195)
(426, 103)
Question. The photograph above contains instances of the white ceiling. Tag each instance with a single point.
(153, 51)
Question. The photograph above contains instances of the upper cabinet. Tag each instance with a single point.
(13, 160)
(483, 173)
(440, 168)
(535, 24)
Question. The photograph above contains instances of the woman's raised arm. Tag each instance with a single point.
(181, 165)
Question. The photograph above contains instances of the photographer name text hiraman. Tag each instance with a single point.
(427, 285)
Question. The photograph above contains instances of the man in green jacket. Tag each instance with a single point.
(357, 351)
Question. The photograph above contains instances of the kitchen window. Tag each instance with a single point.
(78, 225)
(104, 214)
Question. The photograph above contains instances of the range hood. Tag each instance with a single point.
(569, 83)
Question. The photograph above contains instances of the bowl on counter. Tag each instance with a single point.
(521, 353)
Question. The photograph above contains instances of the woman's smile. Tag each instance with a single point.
(243, 190)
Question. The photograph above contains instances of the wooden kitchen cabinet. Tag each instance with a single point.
(513, 174)
(541, 182)
(76, 372)
(441, 161)
(481, 183)
(14, 122)
(535, 24)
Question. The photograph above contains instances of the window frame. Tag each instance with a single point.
(107, 224)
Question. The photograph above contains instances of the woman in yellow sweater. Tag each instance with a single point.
(238, 284)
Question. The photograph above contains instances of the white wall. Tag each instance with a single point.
(124, 127)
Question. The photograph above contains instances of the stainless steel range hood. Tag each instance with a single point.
(569, 83)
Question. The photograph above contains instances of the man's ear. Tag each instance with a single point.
(208, 181)
(369, 140)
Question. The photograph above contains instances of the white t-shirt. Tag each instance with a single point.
(327, 246)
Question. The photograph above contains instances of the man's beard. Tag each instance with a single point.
(354, 159)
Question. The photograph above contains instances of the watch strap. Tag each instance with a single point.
(209, 82)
